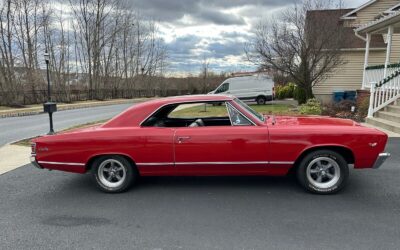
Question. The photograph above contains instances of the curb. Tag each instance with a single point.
(62, 107)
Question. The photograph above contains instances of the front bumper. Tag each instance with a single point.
(34, 162)
(380, 160)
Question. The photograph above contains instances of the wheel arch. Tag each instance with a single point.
(344, 151)
(90, 161)
(262, 96)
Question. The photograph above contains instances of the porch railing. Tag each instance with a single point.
(376, 73)
(384, 92)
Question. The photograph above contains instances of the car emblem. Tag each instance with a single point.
(43, 149)
(372, 144)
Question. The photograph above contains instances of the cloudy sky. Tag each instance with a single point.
(212, 29)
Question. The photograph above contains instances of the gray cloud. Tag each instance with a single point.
(186, 52)
(202, 10)
(217, 17)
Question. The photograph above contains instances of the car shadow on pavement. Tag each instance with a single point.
(84, 183)
(73, 183)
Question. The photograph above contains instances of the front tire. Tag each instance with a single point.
(323, 172)
(113, 174)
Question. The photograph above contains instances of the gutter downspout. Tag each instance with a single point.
(360, 36)
(367, 41)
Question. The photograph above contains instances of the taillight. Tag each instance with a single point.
(33, 148)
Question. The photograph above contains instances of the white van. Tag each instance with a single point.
(257, 87)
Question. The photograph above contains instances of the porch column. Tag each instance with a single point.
(367, 45)
(388, 49)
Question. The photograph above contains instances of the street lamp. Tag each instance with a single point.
(49, 107)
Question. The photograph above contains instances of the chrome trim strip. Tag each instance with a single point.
(252, 115)
(247, 118)
(222, 163)
(155, 164)
(216, 163)
(180, 102)
(380, 160)
(282, 162)
(227, 110)
(62, 163)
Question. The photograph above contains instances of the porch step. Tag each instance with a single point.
(390, 116)
(393, 108)
(385, 124)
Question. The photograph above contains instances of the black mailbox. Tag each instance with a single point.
(49, 107)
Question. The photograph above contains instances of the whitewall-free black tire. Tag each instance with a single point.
(113, 173)
(323, 172)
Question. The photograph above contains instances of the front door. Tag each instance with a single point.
(221, 150)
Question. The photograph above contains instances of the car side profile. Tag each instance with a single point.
(160, 138)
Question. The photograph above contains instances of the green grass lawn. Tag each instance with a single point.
(209, 110)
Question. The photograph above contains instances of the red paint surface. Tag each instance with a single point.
(278, 139)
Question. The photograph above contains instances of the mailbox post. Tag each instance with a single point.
(49, 106)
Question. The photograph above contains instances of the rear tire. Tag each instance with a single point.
(261, 100)
(323, 172)
(113, 173)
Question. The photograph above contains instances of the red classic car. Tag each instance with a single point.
(160, 138)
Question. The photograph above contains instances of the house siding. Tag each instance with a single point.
(371, 12)
(395, 54)
(350, 75)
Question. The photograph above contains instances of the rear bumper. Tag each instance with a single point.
(380, 160)
(34, 162)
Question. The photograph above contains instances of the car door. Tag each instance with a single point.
(241, 148)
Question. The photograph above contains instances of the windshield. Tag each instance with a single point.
(250, 110)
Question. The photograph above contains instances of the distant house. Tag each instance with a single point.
(372, 56)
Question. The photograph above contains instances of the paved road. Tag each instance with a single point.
(54, 210)
(15, 128)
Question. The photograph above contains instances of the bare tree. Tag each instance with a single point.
(21, 23)
(300, 44)
(57, 41)
(115, 43)
(8, 83)
(103, 45)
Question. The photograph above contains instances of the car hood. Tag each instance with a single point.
(309, 120)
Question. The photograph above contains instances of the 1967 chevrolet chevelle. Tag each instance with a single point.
(157, 138)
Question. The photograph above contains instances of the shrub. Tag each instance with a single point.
(285, 91)
(300, 95)
(311, 107)
(343, 109)
(333, 109)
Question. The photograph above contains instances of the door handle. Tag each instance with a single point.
(183, 138)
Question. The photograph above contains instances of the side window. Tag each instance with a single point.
(237, 119)
(199, 110)
(223, 88)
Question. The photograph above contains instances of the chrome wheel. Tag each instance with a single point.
(323, 172)
(111, 173)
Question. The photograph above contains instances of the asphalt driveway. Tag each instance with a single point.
(54, 210)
